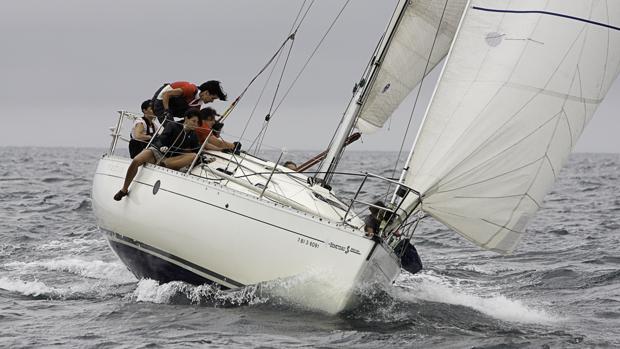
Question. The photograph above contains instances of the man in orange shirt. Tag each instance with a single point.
(208, 127)
(173, 99)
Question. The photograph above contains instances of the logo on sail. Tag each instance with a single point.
(386, 87)
(494, 39)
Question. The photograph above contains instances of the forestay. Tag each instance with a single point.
(521, 81)
(405, 58)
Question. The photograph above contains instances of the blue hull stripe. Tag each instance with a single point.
(180, 260)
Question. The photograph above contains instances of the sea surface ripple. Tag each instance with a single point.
(60, 284)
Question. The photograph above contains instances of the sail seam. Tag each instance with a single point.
(491, 99)
(548, 13)
(498, 155)
(438, 191)
(538, 92)
(542, 91)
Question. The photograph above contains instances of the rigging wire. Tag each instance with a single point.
(258, 141)
(290, 37)
(417, 97)
(311, 56)
(261, 135)
(273, 68)
(275, 94)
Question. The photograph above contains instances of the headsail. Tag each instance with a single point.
(521, 81)
(424, 25)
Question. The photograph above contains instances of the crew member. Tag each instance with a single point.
(175, 148)
(210, 128)
(143, 129)
(173, 99)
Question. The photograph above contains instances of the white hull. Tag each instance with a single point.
(219, 234)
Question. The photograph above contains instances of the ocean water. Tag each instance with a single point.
(60, 284)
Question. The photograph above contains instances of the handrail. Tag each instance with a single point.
(117, 130)
(394, 182)
(394, 211)
(271, 175)
(344, 219)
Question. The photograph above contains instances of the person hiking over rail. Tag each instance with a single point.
(175, 148)
(173, 99)
(208, 126)
(143, 129)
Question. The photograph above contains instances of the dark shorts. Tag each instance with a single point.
(159, 156)
(177, 107)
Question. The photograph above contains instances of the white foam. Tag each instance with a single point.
(75, 245)
(27, 288)
(149, 290)
(314, 289)
(477, 269)
(95, 269)
(37, 288)
(429, 287)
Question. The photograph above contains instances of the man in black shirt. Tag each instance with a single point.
(372, 222)
(175, 148)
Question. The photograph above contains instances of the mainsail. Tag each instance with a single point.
(424, 30)
(416, 39)
(520, 83)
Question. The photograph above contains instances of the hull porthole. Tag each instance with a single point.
(156, 187)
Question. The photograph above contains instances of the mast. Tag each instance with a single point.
(336, 147)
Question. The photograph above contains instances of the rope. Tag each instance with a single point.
(232, 106)
(261, 135)
(275, 94)
(311, 56)
(417, 97)
(262, 70)
(260, 96)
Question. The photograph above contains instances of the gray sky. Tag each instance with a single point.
(66, 66)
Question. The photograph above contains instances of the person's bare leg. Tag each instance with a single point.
(140, 159)
(180, 161)
(145, 156)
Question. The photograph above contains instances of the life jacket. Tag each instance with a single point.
(136, 146)
(150, 127)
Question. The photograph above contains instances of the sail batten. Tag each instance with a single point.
(520, 83)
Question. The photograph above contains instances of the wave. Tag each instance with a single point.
(53, 179)
(40, 290)
(175, 292)
(313, 290)
(431, 288)
(30, 288)
(115, 272)
(84, 205)
(73, 245)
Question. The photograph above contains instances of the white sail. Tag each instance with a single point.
(520, 83)
(405, 60)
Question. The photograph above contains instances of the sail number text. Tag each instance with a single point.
(308, 242)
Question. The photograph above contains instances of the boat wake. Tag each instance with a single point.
(95, 269)
(69, 278)
(177, 292)
(429, 287)
(308, 291)
(424, 293)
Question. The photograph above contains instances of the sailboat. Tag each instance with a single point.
(519, 84)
